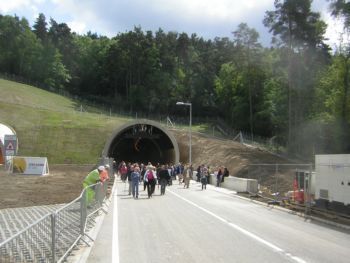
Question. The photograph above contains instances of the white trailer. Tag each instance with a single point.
(332, 182)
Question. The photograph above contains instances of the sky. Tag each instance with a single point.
(206, 18)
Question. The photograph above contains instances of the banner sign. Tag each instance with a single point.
(10, 144)
(30, 165)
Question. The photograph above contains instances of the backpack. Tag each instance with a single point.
(150, 175)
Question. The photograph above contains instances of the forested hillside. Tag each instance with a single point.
(295, 92)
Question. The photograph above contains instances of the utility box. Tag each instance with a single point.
(332, 180)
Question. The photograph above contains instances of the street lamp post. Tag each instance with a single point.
(190, 147)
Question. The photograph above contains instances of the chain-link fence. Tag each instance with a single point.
(278, 183)
(51, 238)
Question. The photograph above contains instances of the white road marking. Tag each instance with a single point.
(242, 230)
(115, 239)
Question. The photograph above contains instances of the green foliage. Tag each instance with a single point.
(48, 125)
(341, 8)
(273, 92)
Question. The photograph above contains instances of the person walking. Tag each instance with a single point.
(199, 172)
(135, 178)
(204, 180)
(206, 173)
(188, 172)
(170, 172)
(123, 170)
(142, 171)
(179, 172)
(219, 177)
(151, 180)
(128, 176)
(144, 178)
(154, 181)
(164, 177)
(225, 173)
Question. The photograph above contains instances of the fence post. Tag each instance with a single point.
(83, 208)
(53, 236)
(276, 172)
(307, 198)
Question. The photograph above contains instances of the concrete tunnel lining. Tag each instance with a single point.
(142, 141)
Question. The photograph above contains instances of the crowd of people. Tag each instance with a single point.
(162, 175)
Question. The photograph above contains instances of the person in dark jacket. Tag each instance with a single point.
(225, 174)
(199, 173)
(163, 177)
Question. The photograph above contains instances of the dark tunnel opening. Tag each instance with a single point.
(143, 142)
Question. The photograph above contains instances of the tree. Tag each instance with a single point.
(58, 75)
(246, 41)
(19, 47)
(232, 95)
(40, 28)
(341, 8)
(298, 31)
(61, 37)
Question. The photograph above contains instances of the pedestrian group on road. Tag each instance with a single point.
(163, 175)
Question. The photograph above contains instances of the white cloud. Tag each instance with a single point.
(208, 18)
(77, 27)
(219, 9)
(334, 31)
(10, 6)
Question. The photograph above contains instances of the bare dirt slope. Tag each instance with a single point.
(237, 158)
(64, 183)
(221, 152)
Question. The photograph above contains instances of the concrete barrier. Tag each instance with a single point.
(240, 184)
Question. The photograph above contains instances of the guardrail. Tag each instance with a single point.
(52, 237)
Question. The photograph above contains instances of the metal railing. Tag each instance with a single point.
(51, 238)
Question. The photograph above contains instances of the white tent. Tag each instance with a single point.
(4, 130)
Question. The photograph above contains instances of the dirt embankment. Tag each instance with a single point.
(64, 183)
(238, 158)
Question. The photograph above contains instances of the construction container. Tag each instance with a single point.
(332, 181)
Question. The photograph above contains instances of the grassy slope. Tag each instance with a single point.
(47, 124)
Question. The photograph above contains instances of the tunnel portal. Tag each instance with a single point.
(142, 141)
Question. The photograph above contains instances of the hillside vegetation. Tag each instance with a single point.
(296, 92)
(48, 125)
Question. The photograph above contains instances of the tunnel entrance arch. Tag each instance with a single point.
(142, 141)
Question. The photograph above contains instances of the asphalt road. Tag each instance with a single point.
(214, 225)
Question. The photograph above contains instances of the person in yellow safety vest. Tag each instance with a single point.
(92, 178)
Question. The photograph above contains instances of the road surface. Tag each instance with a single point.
(214, 225)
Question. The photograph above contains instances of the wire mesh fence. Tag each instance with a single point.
(32, 244)
(51, 238)
(280, 182)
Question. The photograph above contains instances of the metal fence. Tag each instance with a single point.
(51, 238)
(279, 182)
